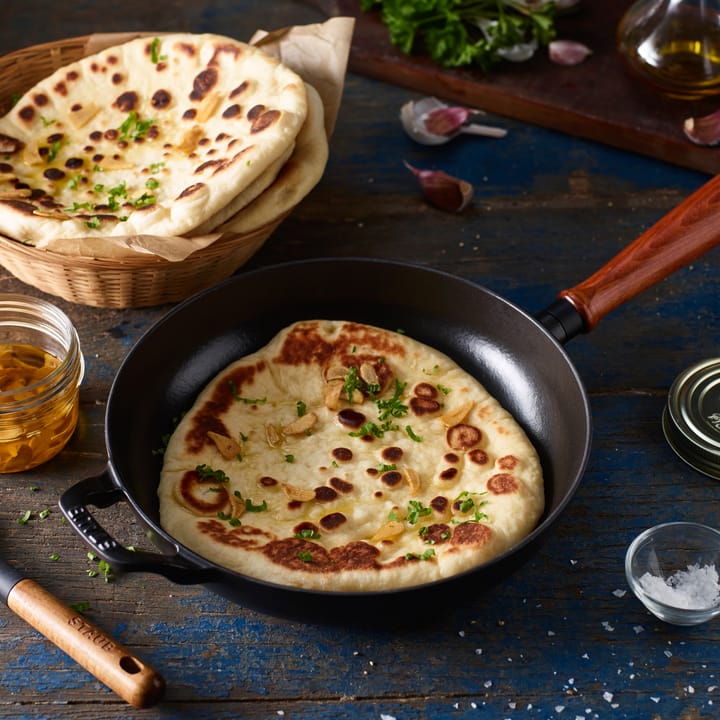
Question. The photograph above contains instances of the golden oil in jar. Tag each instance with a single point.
(674, 45)
(41, 367)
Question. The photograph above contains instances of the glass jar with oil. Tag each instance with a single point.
(674, 45)
(41, 368)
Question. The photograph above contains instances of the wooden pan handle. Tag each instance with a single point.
(677, 239)
(107, 660)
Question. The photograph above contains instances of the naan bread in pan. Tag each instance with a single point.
(346, 457)
(156, 136)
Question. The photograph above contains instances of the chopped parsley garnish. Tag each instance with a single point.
(387, 409)
(165, 438)
(305, 556)
(392, 407)
(53, 151)
(382, 467)
(301, 408)
(427, 555)
(308, 534)
(80, 607)
(205, 472)
(247, 401)
(250, 506)
(133, 128)
(78, 206)
(234, 521)
(155, 57)
(423, 531)
(370, 428)
(443, 389)
(119, 191)
(416, 510)
(351, 383)
(466, 503)
(144, 200)
(289, 458)
(411, 434)
(104, 567)
(152, 183)
(93, 222)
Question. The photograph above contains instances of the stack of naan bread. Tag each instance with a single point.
(179, 135)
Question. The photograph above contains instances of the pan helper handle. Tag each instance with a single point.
(133, 680)
(101, 492)
(677, 239)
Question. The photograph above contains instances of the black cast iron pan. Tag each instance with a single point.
(519, 358)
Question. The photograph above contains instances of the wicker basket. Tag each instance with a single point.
(140, 281)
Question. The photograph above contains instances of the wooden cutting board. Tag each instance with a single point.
(597, 99)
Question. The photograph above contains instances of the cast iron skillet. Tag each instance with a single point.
(520, 360)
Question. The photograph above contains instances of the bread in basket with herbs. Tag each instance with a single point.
(154, 150)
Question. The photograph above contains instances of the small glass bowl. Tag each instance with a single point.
(673, 570)
(41, 368)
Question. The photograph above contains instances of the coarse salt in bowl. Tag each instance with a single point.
(674, 570)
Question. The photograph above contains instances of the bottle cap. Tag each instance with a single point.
(691, 420)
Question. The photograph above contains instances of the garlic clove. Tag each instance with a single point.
(442, 190)
(568, 52)
(428, 121)
(521, 52)
(703, 130)
(446, 120)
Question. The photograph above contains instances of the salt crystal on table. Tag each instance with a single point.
(696, 588)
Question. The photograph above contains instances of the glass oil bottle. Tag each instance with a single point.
(674, 45)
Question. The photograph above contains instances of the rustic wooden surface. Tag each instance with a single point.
(562, 637)
(597, 99)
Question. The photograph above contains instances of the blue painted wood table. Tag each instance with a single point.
(562, 637)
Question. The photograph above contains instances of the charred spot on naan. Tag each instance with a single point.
(475, 534)
(242, 536)
(201, 496)
(10, 145)
(225, 394)
(502, 484)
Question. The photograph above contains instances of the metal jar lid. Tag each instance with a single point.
(691, 420)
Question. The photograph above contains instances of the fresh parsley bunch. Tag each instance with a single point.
(459, 33)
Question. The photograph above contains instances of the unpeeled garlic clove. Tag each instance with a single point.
(703, 130)
(446, 120)
(429, 121)
(568, 52)
(442, 190)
